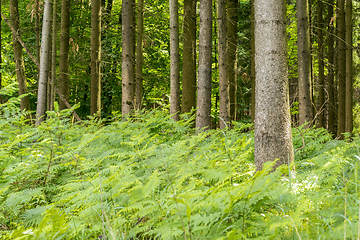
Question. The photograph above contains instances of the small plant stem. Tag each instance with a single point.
(297, 232)
(344, 179)
(102, 206)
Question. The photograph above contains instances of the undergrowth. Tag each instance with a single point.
(152, 178)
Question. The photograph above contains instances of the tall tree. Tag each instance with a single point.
(139, 55)
(18, 56)
(51, 85)
(203, 112)
(37, 28)
(189, 57)
(304, 61)
(321, 85)
(174, 60)
(64, 52)
(231, 63)
(95, 107)
(44, 63)
(273, 137)
(349, 68)
(341, 66)
(252, 43)
(223, 74)
(127, 58)
(330, 77)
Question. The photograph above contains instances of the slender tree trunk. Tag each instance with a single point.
(232, 29)
(273, 137)
(139, 55)
(51, 86)
(174, 61)
(37, 29)
(44, 63)
(349, 68)
(331, 69)
(18, 56)
(203, 112)
(252, 43)
(304, 62)
(95, 108)
(342, 67)
(64, 52)
(223, 74)
(321, 84)
(127, 58)
(189, 57)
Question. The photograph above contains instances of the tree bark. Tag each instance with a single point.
(51, 85)
(139, 55)
(95, 108)
(304, 62)
(189, 57)
(252, 44)
(18, 56)
(37, 29)
(349, 68)
(331, 69)
(127, 59)
(203, 112)
(232, 30)
(174, 61)
(342, 67)
(44, 63)
(273, 139)
(64, 52)
(223, 70)
(321, 86)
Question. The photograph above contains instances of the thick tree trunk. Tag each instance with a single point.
(127, 58)
(232, 29)
(44, 63)
(203, 112)
(139, 55)
(321, 85)
(342, 67)
(331, 69)
(51, 85)
(252, 43)
(174, 61)
(189, 57)
(349, 68)
(64, 52)
(223, 74)
(95, 108)
(304, 62)
(18, 56)
(273, 137)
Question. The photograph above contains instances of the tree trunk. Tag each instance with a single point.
(37, 28)
(342, 67)
(349, 68)
(18, 56)
(95, 108)
(321, 85)
(64, 52)
(203, 112)
(232, 29)
(44, 63)
(174, 61)
(252, 43)
(51, 86)
(189, 57)
(223, 74)
(273, 137)
(127, 59)
(331, 69)
(139, 55)
(304, 62)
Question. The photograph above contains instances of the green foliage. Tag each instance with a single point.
(152, 178)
